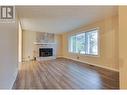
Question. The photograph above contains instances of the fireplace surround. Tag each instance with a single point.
(45, 51)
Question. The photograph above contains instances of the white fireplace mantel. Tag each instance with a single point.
(37, 43)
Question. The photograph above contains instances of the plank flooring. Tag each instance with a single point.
(64, 74)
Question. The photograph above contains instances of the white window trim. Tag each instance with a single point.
(89, 55)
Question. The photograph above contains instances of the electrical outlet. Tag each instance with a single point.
(29, 57)
(77, 57)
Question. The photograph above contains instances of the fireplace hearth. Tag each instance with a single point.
(45, 52)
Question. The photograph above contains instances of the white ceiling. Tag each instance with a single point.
(58, 19)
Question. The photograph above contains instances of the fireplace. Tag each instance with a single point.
(45, 52)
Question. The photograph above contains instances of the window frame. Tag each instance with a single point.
(89, 55)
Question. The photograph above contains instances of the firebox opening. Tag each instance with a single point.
(45, 52)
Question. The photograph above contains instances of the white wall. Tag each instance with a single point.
(8, 54)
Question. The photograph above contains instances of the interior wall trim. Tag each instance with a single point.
(112, 69)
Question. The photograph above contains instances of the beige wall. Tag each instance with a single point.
(28, 38)
(28, 47)
(8, 54)
(58, 40)
(108, 43)
(19, 43)
(123, 46)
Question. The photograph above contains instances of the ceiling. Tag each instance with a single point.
(58, 19)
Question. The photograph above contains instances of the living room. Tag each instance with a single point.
(54, 42)
(64, 47)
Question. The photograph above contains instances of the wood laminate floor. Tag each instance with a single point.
(64, 74)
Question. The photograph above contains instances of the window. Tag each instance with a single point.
(84, 43)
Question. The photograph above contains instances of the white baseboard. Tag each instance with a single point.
(93, 64)
(46, 58)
